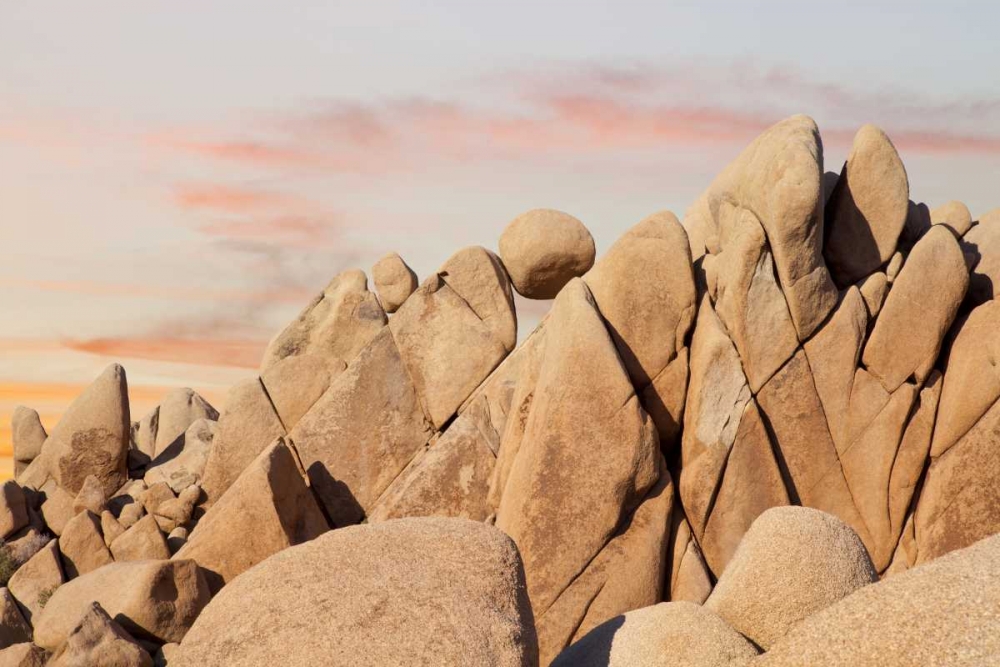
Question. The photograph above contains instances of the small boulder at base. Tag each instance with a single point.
(394, 281)
(543, 250)
(403, 592)
(670, 633)
(23, 655)
(99, 640)
(793, 562)
(154, 600)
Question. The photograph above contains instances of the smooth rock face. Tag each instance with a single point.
(37, 579)
(576, 478)
(670, 633)
(143, 541)
(394, 281)
(337, 324)
(269, 508)
(919, 310)
(23, 655)
(155, 600)
(411, 591)
(543, 250)
(943, 613)
(27, 436)
(792, 563)
(955, 214)
(294, 384)
(180, 408)
(868, 208)
(91, 497)
(92, 436)
(82, 545)
(99, 640)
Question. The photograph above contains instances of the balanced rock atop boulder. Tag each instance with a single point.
(670, 633)
(867, 209)
(27, 437)
(404, 592)
(543, 250)
(394, 281)
(793, 562)
(944, 613)
(92, 436)
(955, 214)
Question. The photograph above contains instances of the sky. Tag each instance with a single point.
(178, 178)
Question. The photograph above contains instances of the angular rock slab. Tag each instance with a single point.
(156, 600)
(269, 508)
(670, 633)
(943, 613)
(410, 591)
(99, 640)
(588, 456)
(867, 209)
(37, 579)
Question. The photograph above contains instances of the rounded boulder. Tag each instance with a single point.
(543, 250)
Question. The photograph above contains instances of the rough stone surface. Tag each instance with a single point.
(411, 591)
(294, 384)
(155, 600)
(269, 508)
(867, 209)
(183, 463)
(36, 579)
(792, 563)
(13, 628)
(670, 633)
(13, 509)
(394, 281)
(23, 655)
(543, 250)
(955, 214)
(943, 613)
(92, 436)
(99, 640)
(82, 545)
(179, 409)
(91, 497)
(143, 541)
(27, 436)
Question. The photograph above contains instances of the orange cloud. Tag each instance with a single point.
(204, 293)
(230, 199)
(213, 352)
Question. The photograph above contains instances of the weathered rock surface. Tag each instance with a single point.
(269, 508)
(955, 214)
(99, 640)
(543, 250)
(155, 600)
(23, 655)
(412, 591)
(27, 437)
(943, 613)
(13, 509)
(82, 545)
(143, 541)
(13, 628)
(792, 563)
(394, 281)
(37, 579)
(670, 633)
(183, 463)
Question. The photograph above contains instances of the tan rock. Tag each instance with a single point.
(27, 436)
(92, 436)
(867, 210)
(13, 628)
(143, 541)
(438, 320)
(181, 466)
(156, 495)
(82, 545)
(23, 655)
(627, 574)
(13, 509)
(165, 655)
(943, 613)
(983, 243)
(247, 425)
(394, 281)
(338, 323)
(57, 508)
(751, 483)
(677, 633)
(294, 384)
(144, 436)
(154, 600)
(690, 579)
(269, 508)
(874, 289)
(779, 177)
(792, 563)
(895, 264)
(716, 400)
(99, 640)
(110, 528)
(412, 591)
(557, 531)
(177, 539)
(365, 430)
(955, 214)
(918, 311)
(543, 250)
(130, 514)
(91, 497)
(180, 408)
(37, 579)
(644, 289)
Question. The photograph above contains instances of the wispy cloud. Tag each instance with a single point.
(208, 351)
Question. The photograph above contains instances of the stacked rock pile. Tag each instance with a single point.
(766, 434)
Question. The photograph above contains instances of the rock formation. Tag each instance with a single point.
(767, 433)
